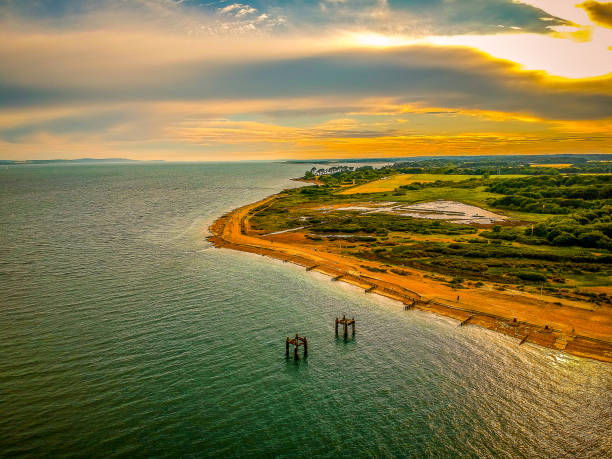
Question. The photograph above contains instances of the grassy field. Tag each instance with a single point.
(555, 166)
(395, 181)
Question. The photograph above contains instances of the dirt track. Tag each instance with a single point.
(578, 328)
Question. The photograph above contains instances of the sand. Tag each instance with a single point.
(575, 327)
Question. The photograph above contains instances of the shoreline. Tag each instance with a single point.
(529, 318)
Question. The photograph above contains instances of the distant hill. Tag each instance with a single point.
(61, 161)
(539, 159)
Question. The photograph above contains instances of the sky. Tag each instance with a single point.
(199, 80)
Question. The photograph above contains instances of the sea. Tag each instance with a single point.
(125, 333)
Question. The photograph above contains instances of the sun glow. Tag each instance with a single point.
(375, 40)
(554, 54)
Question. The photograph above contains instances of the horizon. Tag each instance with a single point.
(188, 80)
(365, 160)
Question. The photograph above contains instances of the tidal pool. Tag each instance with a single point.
(452, 211)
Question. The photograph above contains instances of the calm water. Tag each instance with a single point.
(123, 333)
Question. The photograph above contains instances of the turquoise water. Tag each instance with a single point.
(124, 333)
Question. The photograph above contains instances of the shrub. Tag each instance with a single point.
(531, 276)
(594, 239)
(564, 239)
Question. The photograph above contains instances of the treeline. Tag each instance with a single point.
(507, 165)
(359, 175)
(504, 166)
(312, 173)
(553, 194)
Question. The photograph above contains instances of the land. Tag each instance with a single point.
(8, 162)
(532, 263)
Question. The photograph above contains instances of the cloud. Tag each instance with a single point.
(586, 53)
(238, 10)
(120, 65)
(239, 129)
(565, 9)
(193, 80)
(436, 76)
(600, 13)
(417, 17)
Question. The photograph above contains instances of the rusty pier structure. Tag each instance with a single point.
(296, 342)
(345, 323)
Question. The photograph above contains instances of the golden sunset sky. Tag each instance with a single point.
(193, 80)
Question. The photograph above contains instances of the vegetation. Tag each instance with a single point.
(485, 166)
(553, 194)
(381, 224)
(558, 238)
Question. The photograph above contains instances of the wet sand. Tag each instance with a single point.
(575, 327)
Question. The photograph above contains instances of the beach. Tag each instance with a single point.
(570, 326)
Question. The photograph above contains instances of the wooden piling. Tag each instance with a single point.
(466, 321)
(297, 342)
(345, 324)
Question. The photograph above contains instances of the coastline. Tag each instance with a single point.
(570, 326)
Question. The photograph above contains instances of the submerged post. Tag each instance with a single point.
(345, 325)
(336, 326)
(287, 347)
(353, 320)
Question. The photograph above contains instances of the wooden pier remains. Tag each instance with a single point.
(465, 322)
(345, 323)
(297, 342)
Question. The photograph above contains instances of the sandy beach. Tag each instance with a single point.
(575, 327)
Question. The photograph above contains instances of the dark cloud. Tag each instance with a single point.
(600, 13)
(454, 78)
(440, 77)
(77, 124)
(476, 16)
